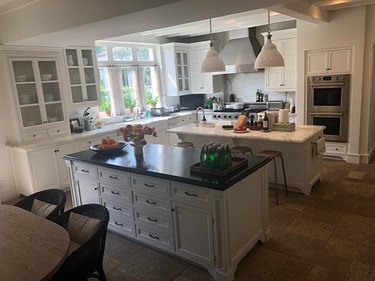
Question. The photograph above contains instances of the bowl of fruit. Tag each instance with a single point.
(241, 129)
(108, 145)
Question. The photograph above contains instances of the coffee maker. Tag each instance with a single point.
(88, 121)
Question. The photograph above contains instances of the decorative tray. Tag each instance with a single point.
(237, 163)
(121, 145)
(255, 128)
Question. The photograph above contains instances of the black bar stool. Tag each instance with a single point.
(273, 154)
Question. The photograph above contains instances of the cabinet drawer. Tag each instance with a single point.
(153, 219)
(120, 224)
(190, 194)
(85, 170)
(332, 148)
(151, 185)
(151, 204)
(118, 208)
(114, 193)
(58, 131)
(114, 177)
(156, 238)
(34, 135)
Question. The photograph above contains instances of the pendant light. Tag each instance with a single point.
(212, 62)
(269, 56)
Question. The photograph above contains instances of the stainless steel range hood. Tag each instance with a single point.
(239, 54)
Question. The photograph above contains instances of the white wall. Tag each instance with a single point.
(346, 28)
(368, 102)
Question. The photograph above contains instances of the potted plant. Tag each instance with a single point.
(106, 103)
(151, 101)
(129, 102)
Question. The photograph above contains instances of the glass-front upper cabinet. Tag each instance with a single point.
(38, 91)
(182, 67)
(82, 72)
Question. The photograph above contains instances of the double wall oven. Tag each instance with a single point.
(328, 105)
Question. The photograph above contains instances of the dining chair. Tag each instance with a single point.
(48, 203)
(87, 228)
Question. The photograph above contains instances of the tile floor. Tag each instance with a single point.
(329, 235)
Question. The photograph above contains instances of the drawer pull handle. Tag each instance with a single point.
(116, 208)
(85, 171)
(118, 224)
(113, 177)
(115, 192)
(149, 185)
(151, 219)
(150, 202)
(191, 194)
(153, 237)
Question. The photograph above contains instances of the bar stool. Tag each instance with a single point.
(185, 144)
(241, 149)
(273, 154)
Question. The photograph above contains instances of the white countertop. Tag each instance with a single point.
(300, 135)
(105, 130)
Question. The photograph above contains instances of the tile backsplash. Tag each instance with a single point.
(245, 85)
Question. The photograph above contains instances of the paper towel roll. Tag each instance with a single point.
(284, 116)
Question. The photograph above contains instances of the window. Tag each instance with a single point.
(128, 76)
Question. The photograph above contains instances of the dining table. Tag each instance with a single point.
(31, 247)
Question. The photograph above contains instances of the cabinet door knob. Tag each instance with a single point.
(191, 194)
(118, 224)
(153, 236)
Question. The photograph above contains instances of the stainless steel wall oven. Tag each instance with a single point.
(328, 105)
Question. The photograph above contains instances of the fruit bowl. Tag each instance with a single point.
(108, 149)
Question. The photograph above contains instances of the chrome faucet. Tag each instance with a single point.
(196, 116)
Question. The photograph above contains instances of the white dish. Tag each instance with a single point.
(48, 98)
(241, 132)
(30, 123)
(25, 99)
(46, 77)
(21, 78)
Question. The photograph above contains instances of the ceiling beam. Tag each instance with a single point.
(303, 11)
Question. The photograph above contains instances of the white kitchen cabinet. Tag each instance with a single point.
(83, 77)
(283, 78)
(193, 233)
(38, 97)
(332, 61)
(176, 122)
(213, 228)
(202, 83)
(176, 73)
(87, 191)
(41, 169)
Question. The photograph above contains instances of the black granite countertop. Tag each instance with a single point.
(166, 162)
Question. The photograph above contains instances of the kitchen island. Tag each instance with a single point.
(154, 199)
(303, 158)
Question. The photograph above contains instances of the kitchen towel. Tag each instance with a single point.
(284, 116)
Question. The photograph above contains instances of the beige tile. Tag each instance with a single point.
(262, 264)
(361, 272)
(153, 265)
(194, 273)
(356, 175)
(293, 270)
(317, 273)
(311, 228)
(359, 188)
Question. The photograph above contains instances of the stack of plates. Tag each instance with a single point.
(30, 123)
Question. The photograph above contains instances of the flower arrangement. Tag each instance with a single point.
(136, 134)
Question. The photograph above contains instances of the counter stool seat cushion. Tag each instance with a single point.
(184, 144)
(241, 149)
(81, 228)
(270, 153)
